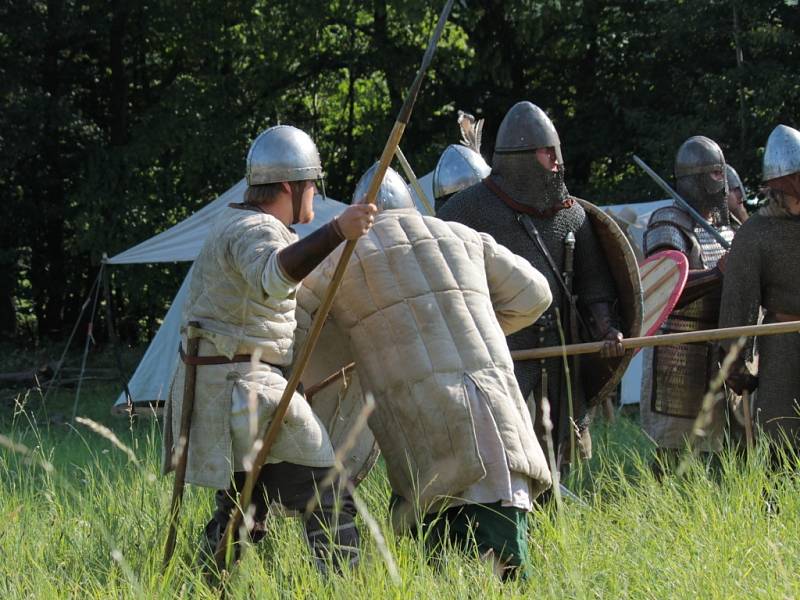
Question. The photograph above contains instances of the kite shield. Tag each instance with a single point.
(601, 376)
(663, 278)
(334, 391)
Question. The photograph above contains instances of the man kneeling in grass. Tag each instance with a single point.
(427, 306)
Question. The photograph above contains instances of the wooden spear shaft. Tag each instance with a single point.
(669, 339)
(264, 444)
(412, 178)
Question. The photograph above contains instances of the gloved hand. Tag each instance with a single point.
(741, 381)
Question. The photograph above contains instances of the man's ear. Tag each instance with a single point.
(286, 187)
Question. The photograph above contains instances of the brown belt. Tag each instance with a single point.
(779, 317)
(217, 360)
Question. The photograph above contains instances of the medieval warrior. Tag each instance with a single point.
(761, 275)
(242, 294)
(460, 165)
(426, 305)
(737, 196)
(525, 206)
(679, 376)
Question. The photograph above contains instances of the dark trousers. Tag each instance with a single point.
(330, 527)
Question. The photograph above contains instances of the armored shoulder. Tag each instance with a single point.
(668, 230)
(462, 206)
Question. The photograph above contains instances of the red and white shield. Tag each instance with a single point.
(663, 278)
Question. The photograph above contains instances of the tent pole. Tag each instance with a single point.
(112, 334)
(60, 364)
(89, 338)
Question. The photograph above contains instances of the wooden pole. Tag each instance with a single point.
(412, 179)
(187, 408)
(332, 378)
(748, 420)
(264, 444)
(669, 339)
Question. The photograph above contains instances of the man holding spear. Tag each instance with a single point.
(242, 296)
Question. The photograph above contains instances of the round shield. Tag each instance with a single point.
(600, 376)
(334, 391)
(663, 277)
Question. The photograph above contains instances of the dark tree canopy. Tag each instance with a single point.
(119, 119)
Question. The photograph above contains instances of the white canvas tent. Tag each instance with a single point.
(182, 242)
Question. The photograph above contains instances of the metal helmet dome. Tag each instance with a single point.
(458, 168)
(698, 155)
(392, 193)
(527, 127)
(782, 154)
(283, 153)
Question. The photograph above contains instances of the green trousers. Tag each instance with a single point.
(479, 528)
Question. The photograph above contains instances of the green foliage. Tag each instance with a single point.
(120, 119)
(93, 526)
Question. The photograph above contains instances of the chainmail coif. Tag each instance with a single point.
(521, 176)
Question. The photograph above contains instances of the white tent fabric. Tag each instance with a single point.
(182, 242)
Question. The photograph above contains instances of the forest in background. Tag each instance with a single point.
(119, 119)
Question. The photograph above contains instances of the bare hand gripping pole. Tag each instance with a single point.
(264, 445)
(682, 203)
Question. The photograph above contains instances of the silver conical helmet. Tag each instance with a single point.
(283, 153)
(527, 127)
(782, 154)
(458, 168)
(392, 193)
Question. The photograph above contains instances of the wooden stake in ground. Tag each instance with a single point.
(263, 445)
(187, 408)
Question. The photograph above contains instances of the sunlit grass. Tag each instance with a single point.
(93, 525)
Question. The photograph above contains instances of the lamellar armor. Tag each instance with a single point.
(681, 373)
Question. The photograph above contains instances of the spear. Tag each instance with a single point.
(412, 178)
(668, 339)
(264, 445)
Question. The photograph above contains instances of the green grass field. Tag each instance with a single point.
(80, 518)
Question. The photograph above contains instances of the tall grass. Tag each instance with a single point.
(79, 518)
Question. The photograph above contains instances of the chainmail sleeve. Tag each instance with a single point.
(593, 281)
(741, 288)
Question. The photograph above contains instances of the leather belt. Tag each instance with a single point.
(217, 360)
(780, 317)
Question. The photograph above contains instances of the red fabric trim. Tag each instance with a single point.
(523, 208)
